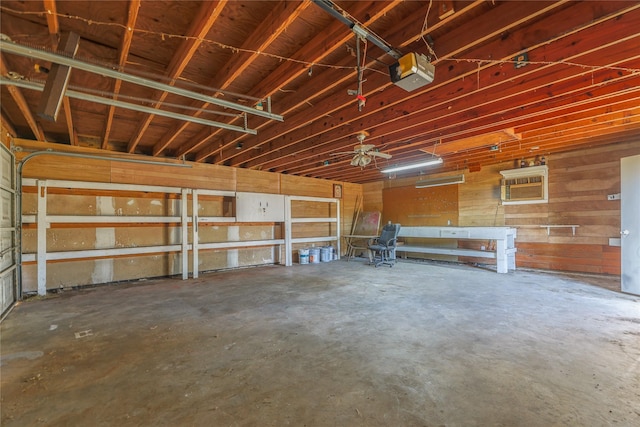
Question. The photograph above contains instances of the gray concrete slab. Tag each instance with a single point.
(333, 344)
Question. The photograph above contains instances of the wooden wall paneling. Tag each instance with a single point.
(210, 260)
(408, 206)
(204, 176)
(312, 209)
(255, 256)
(140, 267)
(212, 206)
(601, 154)
(131, 203)
(66, 168)
(69, 274)
(420, 206)
(563, 257)
(352, 193)
(254, 181)
(301, 186)
(312, 229)
(479, 198)
(131, 236)
(611, 260)
(579, 183)
(372, 195)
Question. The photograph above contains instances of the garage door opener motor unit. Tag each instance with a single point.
(412, 71)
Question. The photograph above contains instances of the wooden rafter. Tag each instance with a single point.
(299, 129)
(326, 84)
(209, 13)
(313, 52)
(273, 25)
(54, 28)
(22, 104)
(284, 152)
(577, 84)
(128, 31)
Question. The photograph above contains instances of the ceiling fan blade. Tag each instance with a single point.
(363, 147)
(379, 154)
(342, 153)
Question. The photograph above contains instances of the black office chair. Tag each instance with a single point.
(383, 248)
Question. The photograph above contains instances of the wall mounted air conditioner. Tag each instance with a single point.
(441, 180)
(524, 186)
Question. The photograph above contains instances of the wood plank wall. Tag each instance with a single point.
(203, 176)
(579, 182)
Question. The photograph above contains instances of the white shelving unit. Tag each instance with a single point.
(269, 208)
(289, 220)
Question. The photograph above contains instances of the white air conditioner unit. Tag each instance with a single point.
(441, 180)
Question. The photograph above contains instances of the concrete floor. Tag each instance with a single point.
(335, 344)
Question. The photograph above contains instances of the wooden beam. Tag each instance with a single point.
(58, 80)
(439, 99)
(52, 18)
(279, 19)
(207, 16)
(132, 16)
(314, 51)
(54, 27)
(17, 96)
(7, 125)
(327, 84)
(303, 127)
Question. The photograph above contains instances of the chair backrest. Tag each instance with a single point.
(389, 232)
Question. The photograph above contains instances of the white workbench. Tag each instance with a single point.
(504, 253)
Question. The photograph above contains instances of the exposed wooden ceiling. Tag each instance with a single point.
(578, 83)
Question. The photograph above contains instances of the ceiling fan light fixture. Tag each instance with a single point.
(430, 162)
(364, 161)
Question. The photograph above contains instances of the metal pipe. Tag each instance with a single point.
(330, 7)
(127, 105)
(32, 52)
(108, 101)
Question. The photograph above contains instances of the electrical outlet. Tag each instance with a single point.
(613, 196)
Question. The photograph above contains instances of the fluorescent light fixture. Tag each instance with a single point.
(429, 162)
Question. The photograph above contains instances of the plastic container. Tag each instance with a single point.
(314, 255)
(326, 253)
(303, 256)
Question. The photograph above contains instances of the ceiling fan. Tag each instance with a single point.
(363, 153)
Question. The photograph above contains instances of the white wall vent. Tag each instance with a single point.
(441, 180)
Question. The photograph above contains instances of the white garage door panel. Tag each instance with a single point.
(8, 270)
(6, 208)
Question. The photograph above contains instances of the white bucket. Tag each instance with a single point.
(314, 255)
(326, 253)
(303, 255)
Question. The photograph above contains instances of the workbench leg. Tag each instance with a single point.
(501, 256)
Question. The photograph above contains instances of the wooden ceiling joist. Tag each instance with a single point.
(209, 13)
(127, 38)
(576, 85)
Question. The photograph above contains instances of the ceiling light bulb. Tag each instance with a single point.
(429, 162)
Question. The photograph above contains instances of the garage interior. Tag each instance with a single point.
(167, 164)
